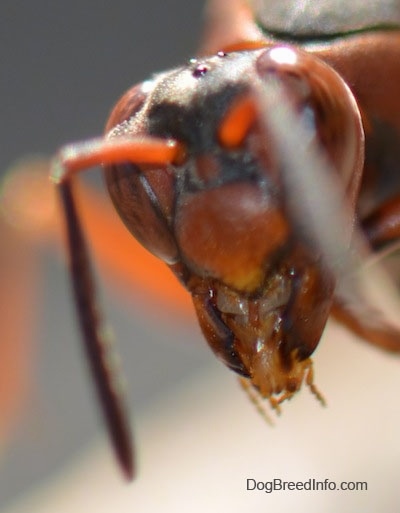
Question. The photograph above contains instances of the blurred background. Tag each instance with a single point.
(199, 438)
(64, 65)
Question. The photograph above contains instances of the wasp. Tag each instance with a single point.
(196, 168)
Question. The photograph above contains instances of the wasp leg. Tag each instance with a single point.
(382, 226)
(18, 304)
(368, 324)
(27, 213)
(382, 229)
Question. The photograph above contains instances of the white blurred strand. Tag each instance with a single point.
(316, 198)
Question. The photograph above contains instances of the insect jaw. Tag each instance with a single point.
(276, 382)
(270, 333)
(257, 327)
(257, 324)
(273, 377)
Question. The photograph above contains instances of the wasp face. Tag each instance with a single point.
(220, 216)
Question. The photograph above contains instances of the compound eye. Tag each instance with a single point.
(143, 195)
(144, 198)
(284, 63)
(324, 103)
(128, 105)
